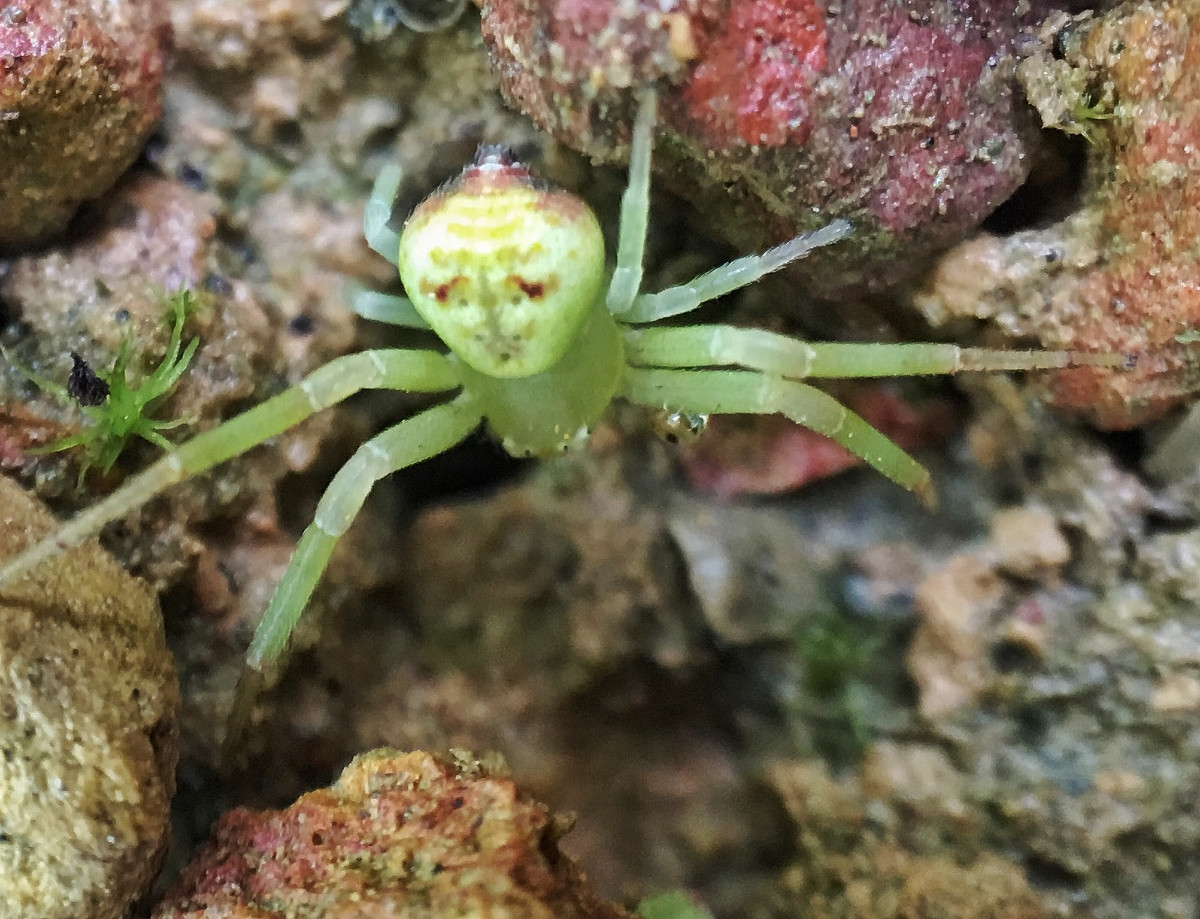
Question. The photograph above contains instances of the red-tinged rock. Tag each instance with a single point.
(80, 90)
(768, 454)
(778, 49)
(398, 835)
(778, 115)
(1121, 273)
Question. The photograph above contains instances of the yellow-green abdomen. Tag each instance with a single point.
(505, 272)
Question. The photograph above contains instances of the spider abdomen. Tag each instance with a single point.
(503, 270)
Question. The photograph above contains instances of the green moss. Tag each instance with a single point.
(1089, 109)
(118, 410)
(673, 905)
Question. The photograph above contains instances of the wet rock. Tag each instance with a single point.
(80, 90)
(784, 113)
(398, 834)
(1119, 272)
(88, 727)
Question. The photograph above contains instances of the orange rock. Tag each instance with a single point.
(398, 834)
(1119, 274)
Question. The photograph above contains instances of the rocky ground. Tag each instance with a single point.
(785, 700)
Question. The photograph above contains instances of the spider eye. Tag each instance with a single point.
(505, 271)
(496, 155)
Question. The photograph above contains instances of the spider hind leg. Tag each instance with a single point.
(751, 392)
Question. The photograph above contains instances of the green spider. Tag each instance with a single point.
(117, 410)
(511, 277)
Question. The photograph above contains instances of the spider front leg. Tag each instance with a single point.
(635, 209)
(622, 298)
(776, 357)
(751, 392)
(411, 370)
(757, 349)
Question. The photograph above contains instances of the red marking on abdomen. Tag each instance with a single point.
(534, 290)
(441, 292)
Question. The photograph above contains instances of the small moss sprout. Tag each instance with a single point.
(118, 409)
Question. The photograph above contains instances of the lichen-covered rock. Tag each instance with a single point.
(971, 627)
(849, 863)
(399, 834)
(781, 114)
(1120, 273)
(80, 90)
(88, 725)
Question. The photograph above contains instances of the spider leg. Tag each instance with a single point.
(732, 275)
(381, 307)
(754, 393)
(383, 239)
(396, 368)
(635, 209)
(757, 349)
(378, 213)
(420, 437)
